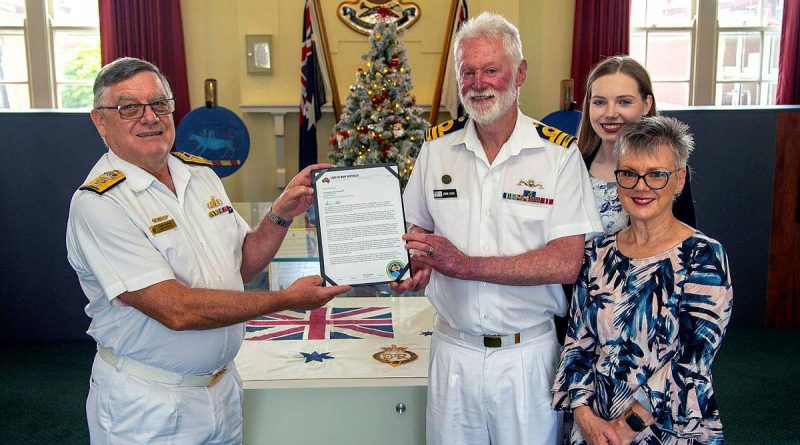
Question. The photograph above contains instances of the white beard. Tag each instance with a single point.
(504, 101)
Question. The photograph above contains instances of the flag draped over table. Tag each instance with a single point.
(450, 87)
(325, 323)
(339, 341)
(312, 90)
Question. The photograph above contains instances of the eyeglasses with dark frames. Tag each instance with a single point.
(655, 180)
(136, 111)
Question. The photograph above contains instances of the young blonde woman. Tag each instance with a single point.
(618, 91)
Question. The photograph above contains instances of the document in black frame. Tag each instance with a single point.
(360, 224)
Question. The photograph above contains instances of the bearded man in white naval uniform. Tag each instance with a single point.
(500, 206)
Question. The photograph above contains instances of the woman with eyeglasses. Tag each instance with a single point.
(618, 91)
(649, 310)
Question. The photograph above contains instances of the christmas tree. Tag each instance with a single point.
(380, 122)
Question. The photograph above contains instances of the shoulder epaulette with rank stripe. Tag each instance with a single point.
(191, 159)
(445, 128)
(104, 182)
(553, 134)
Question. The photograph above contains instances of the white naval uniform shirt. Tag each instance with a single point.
(113, 250)
(483, 213)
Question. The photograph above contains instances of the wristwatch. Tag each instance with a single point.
(634, 421)
(277, 219)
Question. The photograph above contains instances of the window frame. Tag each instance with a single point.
(38, 34)
(22, 31)
(705, 32)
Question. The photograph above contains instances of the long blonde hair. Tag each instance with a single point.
(588, 140)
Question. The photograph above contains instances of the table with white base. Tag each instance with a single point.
(328, 388)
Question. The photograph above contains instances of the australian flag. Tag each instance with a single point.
(312, 93)
(325, 323)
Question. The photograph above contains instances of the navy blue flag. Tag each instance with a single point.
(312, 93)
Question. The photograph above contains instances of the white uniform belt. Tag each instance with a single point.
(494, 341)
(158, 375)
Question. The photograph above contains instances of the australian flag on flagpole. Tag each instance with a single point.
(312, 92)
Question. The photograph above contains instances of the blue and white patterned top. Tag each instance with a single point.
(654, 323)
(614, 217)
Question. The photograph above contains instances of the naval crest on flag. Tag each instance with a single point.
(395, 355)
(325, 323)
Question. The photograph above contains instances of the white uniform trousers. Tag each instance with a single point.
(123, 409)
(498, 396)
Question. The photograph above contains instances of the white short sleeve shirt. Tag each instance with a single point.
(534, 191)
(138, 233)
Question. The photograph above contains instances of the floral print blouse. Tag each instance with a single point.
(614, 217)
(651, 324)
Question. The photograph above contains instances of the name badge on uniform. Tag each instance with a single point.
(443, 194)
(169, 224)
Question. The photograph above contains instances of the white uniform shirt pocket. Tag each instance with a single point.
(225, 236)
(451, 216)
(521, 221)
(178, 252)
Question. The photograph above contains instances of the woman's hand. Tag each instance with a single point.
(624, 432)
(595, 430)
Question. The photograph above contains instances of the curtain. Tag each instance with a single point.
(601, 30)
(151, 30)
(789, 62)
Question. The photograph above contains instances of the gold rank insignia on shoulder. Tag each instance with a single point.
(163, 226)
(395, 355)
(104, 182)
(445, 128)
(188, 158)
(553, 134)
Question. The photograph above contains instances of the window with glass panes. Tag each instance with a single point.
(49, 53)
(709, 52)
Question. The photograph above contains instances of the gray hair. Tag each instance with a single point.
(493, 26)
(123, 69)
(648, 133)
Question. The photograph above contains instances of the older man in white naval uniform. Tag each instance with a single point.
(500, 207)
(162, 257)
